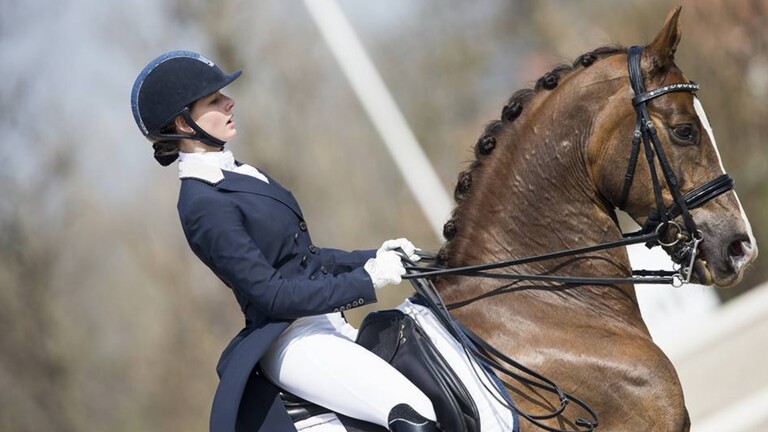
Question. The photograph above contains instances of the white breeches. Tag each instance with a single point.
(317, 359)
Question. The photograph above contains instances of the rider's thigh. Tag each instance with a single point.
(317, 359)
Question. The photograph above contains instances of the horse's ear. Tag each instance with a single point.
(661, 52)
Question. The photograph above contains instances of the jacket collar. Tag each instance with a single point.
(201, 171)
(235, 182)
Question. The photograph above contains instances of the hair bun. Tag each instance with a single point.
(166, 152)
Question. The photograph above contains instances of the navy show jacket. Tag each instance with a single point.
(253, 236)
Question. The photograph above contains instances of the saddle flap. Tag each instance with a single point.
(398, 339)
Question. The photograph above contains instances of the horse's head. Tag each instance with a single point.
(685, 135)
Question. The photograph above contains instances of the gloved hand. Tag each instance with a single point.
(403, 244)
(385, 269)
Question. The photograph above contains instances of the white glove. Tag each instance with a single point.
(385, 269)
(403, 244)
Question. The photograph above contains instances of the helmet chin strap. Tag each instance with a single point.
(200, 134)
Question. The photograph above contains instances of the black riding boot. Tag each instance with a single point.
(403, 418)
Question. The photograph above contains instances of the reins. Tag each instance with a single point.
(480, 270)
(660, 229)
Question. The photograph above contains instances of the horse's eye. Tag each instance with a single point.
(685, 134)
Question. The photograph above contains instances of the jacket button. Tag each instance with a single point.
(303, 226)
(313, 277)
(304, 259)
(323, 269)
(349, 306)
(360, 301)
(312, 249)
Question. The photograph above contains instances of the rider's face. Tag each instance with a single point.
(214, 114)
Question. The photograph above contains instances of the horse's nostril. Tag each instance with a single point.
(736, 249)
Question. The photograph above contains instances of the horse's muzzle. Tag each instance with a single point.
(723, 261)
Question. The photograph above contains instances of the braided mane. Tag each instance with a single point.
(488, 139)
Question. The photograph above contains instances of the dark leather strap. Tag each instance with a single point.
(630, 175)
(703, 194)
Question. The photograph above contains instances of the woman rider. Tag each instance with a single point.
(250, 232)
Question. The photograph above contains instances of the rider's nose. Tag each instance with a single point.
(230, 104)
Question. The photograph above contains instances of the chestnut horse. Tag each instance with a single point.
(548, 176)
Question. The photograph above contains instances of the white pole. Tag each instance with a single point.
(381, 108)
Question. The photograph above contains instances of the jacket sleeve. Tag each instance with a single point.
(215, 232)
(339, 261)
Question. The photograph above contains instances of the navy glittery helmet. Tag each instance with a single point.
(167, 87)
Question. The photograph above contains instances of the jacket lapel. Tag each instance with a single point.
(235, 182)
(243, 183)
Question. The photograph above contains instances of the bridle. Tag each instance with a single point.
(659, 229)
(682, 204)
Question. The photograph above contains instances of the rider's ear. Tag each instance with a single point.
(182, 126)
(661, 52)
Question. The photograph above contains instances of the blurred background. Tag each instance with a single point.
(109, 322)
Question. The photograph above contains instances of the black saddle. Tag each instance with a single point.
(398, 339)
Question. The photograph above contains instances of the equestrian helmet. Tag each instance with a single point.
(167, 87)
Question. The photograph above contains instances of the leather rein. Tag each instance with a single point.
(660, 229)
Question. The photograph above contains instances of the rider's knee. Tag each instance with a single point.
(403, 418)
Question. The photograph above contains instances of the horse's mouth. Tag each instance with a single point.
(705, 273)
(701, 272)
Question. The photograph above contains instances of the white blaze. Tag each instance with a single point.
(705, 122)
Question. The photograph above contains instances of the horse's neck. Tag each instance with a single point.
(533, 197)
(547, 204)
